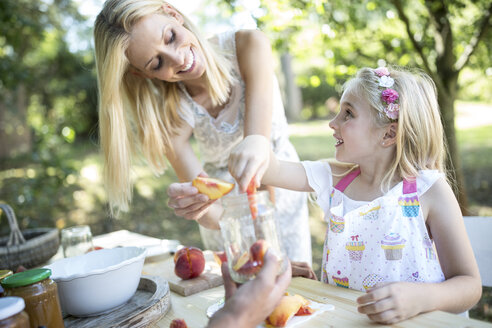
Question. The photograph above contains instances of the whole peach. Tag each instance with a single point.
(180, 252)
(178, 323)
(189, 262)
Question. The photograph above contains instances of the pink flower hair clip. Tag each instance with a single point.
(389, 96)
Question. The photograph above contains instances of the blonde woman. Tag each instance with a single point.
(395, 229)
(160, 83)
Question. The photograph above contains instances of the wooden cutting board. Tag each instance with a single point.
(211, 277)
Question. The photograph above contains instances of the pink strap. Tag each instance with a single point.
(409, 186)
(346, 180)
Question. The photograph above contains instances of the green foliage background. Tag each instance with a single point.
(57, 182)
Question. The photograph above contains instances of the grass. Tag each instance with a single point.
(70, 191)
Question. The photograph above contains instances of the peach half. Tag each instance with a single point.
(286, 309)
(189, 262)
(213, 188)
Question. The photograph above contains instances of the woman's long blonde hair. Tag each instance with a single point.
(420, 142)
(136, 113)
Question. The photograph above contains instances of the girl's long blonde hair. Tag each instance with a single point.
(420, 142)
(135, 113)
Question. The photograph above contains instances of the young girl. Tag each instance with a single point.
(395, 227)
(160, 83)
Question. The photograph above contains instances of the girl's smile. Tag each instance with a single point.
(356, 134)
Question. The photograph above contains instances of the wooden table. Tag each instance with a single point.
(193, 309)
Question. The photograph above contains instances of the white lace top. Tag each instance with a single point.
(216, 137)
(383, 240)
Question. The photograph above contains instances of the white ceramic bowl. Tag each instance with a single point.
(98, 281)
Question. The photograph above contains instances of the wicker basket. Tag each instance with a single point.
(29, 248)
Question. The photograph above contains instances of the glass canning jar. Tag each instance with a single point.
(246, 239)
(40, 294)
(12, 314)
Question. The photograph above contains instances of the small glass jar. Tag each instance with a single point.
(76, 240)
(40, 294)
(246, 239)
(12, 314)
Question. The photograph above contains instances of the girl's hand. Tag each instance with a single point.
(187, 201)
(392, 302)
(302, 269)
(249, 159)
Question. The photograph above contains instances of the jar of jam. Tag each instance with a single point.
(3, 274)
(12, 314)
(40, 295)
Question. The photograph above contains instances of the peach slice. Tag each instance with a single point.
(220, 257)
(257, 251)
(305, 309)
(241, 261)
(178, 323)
(249, 268)
(253, 204)
(213, 188)
(189, 262)
(286, 309)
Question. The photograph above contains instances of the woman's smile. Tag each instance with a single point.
(190, 58)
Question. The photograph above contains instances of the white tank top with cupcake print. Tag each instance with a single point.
(384, 240)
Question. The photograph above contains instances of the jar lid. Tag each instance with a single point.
(25, 278)
(10, 306)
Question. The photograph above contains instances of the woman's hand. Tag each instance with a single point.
(250, 158)
(187, 201)
(302, 269)
(393, 302)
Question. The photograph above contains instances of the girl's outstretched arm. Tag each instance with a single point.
(288, 175)
(462, 288)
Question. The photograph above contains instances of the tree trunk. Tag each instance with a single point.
(293, 97)
(15, 135)
(453, 160)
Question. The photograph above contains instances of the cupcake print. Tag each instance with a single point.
(393, 245)
(355, 248)
(429, 248)
(337, 223)
(341, 281)
(324, 275)
(372, 280)
(371, 214)
(409, 205)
